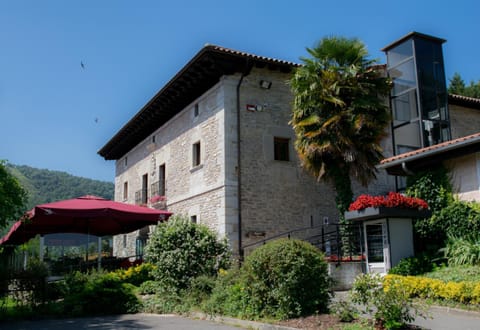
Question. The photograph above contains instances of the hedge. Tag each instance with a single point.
(423, 287)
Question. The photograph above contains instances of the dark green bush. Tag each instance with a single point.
(99, 293)
(229, 297)
(181, 251)
(413, 266)
(148, 287)
(282, 279)
(459, 218)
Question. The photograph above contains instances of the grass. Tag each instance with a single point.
(456, 274)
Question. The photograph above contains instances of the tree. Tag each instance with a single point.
(12, 196)
(340, 114)
(457, 86)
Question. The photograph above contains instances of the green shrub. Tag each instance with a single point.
(463, 250)
(168, 300)
(390, 306)
(229, 297)
(285, 278)
(182, 250)
(148, 287)
(345, 310)
(99, 293)
(459, 218)
(413, 266)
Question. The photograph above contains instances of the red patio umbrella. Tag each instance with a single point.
(87, 215)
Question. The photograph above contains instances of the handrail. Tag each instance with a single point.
(288, 233)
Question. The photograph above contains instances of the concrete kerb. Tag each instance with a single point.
(238, 322)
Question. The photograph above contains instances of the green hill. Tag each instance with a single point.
(45, 186)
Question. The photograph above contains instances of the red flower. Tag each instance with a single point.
(391, 200)
(157, 198)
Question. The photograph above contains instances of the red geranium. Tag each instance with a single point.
(391, 200)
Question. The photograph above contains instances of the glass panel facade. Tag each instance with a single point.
(403, 77)
(407, 137)
(419, 96)
(399, 53)
(404, 107)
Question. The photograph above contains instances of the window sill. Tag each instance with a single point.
(196, 168)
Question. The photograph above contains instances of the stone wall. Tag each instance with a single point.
(276, 196)
(465, 176)
(190, 190)
(463, 121)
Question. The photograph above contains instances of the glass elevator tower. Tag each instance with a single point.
(419, 96)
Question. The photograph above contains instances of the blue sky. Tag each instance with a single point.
(55, 114)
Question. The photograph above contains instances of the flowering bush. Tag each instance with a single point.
(157, 198)
(391, 200)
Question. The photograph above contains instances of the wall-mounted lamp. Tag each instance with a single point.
(265, 84)
(256, 107)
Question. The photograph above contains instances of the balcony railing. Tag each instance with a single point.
(158, 188)
(141, 197)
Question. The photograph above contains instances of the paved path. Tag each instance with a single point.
(119, 322)
(444, 318)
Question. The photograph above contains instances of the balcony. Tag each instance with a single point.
(141, 197)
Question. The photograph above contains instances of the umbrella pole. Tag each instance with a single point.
(42, 247)
(86, 251)
(99, 249)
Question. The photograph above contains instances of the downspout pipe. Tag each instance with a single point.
(248, 67)
(406, 169)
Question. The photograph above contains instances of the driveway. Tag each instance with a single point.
(118, 322)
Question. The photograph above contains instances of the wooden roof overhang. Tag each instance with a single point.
(201, 73)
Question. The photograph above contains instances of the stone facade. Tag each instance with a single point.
(276, 195)
(463, 121)
(465, 176)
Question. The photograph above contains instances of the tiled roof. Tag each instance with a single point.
(464, 101)
(252, 56)
(201, 73)
(434, 147)
(432, 154)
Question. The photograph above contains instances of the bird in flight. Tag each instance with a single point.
(82, 65)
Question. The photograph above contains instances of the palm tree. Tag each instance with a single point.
(340, 114)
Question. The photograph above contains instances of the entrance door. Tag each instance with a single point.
(377, 247)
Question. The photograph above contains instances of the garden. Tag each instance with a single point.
(188, 269)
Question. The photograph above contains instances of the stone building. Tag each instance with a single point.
(215, 144)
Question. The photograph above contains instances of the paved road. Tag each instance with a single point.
(443, 318)
(119, 322)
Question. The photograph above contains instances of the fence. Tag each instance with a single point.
(339, 242)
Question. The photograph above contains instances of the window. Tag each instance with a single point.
(161, 180)
(281, 149)
(193, 218)
(153, 138)
(140, 243)
(125, 161)
(196, 157)
(125, 191)
(124, 241)
(195, 110)
(144, 188)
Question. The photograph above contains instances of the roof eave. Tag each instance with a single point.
(116, 147)
(395, 167)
